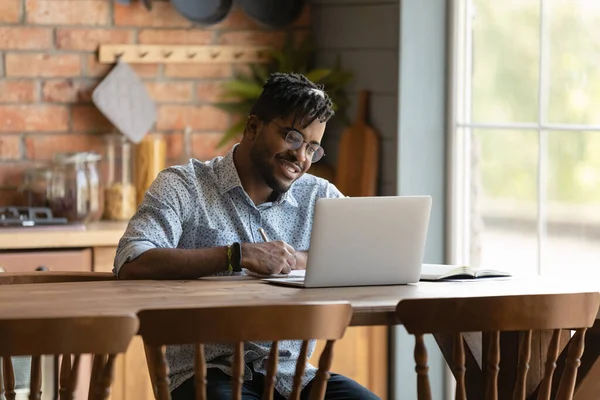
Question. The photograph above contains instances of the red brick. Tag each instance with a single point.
(89, 119)
(33, 118)
(237, 19)
(204, 146)
(19, 38)
(198, 70)
(163, 15)
(10, 197)
(68, 90)
(209, 91)
(43, 147)
(42, 65)
(204, 118)
(166, 92)
(174, 147)
(95, 69)
(252, 38)
(18, 91)
(175, 36)
(11, 173)
(10, 147)
(67, 12)
(90, 39)
(10, 11)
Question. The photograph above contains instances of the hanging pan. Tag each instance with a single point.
(273, 13)
(204, 12)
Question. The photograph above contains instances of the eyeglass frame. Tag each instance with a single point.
(289, 131)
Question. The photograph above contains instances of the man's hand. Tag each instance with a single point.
(301, 259)
(275, 257)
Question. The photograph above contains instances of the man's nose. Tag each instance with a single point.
(300, 153)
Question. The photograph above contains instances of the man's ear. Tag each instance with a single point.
(253, 126)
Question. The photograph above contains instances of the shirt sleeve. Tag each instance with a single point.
(158, 222)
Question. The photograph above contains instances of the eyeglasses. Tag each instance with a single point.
(294, 140)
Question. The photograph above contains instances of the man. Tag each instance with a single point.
(203, 219)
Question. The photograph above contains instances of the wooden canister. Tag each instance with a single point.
(150, 159)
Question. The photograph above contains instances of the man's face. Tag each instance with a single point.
(278, 165)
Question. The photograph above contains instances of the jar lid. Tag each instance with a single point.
(74, 157)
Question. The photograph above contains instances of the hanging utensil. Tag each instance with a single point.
(273, 13)
(205, 12)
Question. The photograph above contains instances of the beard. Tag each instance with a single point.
(260, 156)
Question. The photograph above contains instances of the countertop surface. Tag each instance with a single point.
(97, 234)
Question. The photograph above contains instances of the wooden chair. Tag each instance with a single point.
(236, 325)
(103, 336)
(35, 277)
(492, 315)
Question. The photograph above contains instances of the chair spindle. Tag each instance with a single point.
(493, 368)
(200, 375)
(9, 378)
(238, 371)
(161, 373)
(319, 387)
(553, 349)
(523, 365)
(459, 367)
(271, 372)
(422, 369)
(300, 366)
(35, 379)
(566, 386)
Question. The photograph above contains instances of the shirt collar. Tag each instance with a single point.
(229, 179)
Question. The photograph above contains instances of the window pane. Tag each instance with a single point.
(506, 50)
(574, 61)
(572, 212)
(504, 200)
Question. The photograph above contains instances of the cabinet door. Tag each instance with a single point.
(52, 260)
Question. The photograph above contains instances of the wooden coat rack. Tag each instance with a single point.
(152, 54)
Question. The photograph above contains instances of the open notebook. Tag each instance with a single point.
(440, 272)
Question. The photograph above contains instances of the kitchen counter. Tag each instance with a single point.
(97, 234)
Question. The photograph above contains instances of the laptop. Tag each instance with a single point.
(365, 241)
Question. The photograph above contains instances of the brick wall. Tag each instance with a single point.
(48, 70)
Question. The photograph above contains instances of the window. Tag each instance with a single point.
(526, 138)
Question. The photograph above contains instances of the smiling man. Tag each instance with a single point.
(203, 218)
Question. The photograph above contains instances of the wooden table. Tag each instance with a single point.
(373, 305)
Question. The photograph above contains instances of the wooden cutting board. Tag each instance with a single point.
(358, 157)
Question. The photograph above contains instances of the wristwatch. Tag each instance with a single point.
(234, 256)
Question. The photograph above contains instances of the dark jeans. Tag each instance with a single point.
(219, 388)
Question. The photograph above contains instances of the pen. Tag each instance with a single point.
(263, 234)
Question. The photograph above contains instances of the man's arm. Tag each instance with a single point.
(160, 263)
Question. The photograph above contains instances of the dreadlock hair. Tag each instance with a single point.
(286, 94)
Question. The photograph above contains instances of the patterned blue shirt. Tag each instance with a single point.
(203, 204)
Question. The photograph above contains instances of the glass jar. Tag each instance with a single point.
(69, 188)
(95, 185)
(36, 186)
(119, 192)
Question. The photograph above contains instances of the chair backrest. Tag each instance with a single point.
(493, 315)
(102, 336)
(236, 325)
